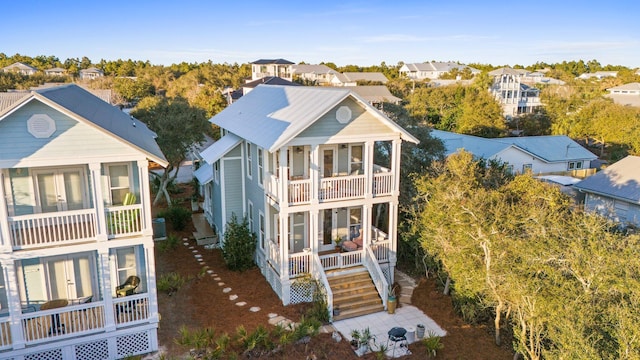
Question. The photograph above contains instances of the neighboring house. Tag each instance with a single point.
(540, 155)
(272, 67)
(447, 82)
(56, 72)
(91, 73)
(627, 94)
(432, 70)
(352, 78)
(599, 75)
(299, 163)
(20, 68)
(267, 80)
(317, 74)
(615, 191)
(375, 94)
(538, 77)
(514, 96)
(76, 246)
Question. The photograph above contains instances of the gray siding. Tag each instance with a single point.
(363, 123)
(235, 152)
(71, 139)
(616, 210)
(232, 201)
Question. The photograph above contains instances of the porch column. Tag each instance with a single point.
(314, 174)
(145, 197)
(395, 166)
(314, 216)
(151, 282)
(283, 221)
(5, 234)
(393, 233)
(98, 196)
(107, 289)
(13, 301)
(367, 162)
(367, 210)
(284, 179)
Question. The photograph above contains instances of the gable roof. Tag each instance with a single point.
(272, 61)
(634, 86)
(270, 116)
(374, 93)
(365, 76)
(269, 80)
(312, 69)
(77, 102)
(20, 66)
(620, 180)
(508, 71)
(553, 148)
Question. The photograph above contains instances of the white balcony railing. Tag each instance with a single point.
(342, 187)
(5, 333)
(273, 186)
(131, 310)
(381, 249)
(299, 191)
(299, 264)
(124, 220)
(273, 254)
(382, 183)
(63, 322)
(341, 260)
(29, 231)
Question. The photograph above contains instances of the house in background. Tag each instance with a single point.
(540, 155)
(299, 163)
(20, 68)
(56, 72)
(598, 75)
(272, 67)
(627, 94)
(375, 95)
(91, 73)
(432, 70)
(267, 80)
(315, 74)
(76, 247)
(514, 96)
(615, 192)
(352, 78)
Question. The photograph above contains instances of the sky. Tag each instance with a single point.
(344, 32)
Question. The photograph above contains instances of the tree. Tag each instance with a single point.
(179, 126)
(132, 89)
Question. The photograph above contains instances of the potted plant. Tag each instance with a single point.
(362, 340)
(392, 300)
(338, 241)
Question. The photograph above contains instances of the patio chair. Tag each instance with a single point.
(129, 286)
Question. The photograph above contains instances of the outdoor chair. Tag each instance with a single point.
(129, 286)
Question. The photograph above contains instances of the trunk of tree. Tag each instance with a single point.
(446, 285)
(165, 180)
(496, 322)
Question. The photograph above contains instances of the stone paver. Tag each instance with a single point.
(233, 297)
(226, 290)
(254, 309)
(241, 303)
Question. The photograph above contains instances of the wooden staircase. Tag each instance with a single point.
(353, 293)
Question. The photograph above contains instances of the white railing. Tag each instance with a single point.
(299, 264)
(124, 220)
(273, 186)
(341, 260)
(273, 254)
(318, 273)
(131, 309)
(299, 191)
(63, 322)
(342, 187)
(5, 333)
(381, 250)
(28, 231)
(382, 183)
(377, 275)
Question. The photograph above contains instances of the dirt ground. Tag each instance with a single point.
(201, 302)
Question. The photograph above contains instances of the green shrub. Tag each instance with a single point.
(170, 243)
(239, 245)
(170, 283)
(432, 343)
(178, 216)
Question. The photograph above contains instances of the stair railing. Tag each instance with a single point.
(371, 263)
(317, 271)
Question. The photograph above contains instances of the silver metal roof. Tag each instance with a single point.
(219, 148)
(620, 180)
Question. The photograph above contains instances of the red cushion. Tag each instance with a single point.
(358, 241)
(349, 245)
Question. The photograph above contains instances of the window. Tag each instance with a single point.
(356, 160)
(575, 165)
(250, 215)
(249, 161)
(262, 233)
(216, 172)
(260, 167)
(119, 184)
(526, 168)
(125, 264)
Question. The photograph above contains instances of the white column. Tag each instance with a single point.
(13, 300)
(284, 245)
(393, 231)
(145, 197)
(284, 178)
(101, 214)
(395, 166)
(367, 162)
(367, 210)
(314, 174)
(107, 290)
(313, 230)
(5, 234)
(151, 282)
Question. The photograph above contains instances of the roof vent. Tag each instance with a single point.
(343, 114)
(41, 126)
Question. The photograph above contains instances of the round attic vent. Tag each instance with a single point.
(343, 114)
(41, 126)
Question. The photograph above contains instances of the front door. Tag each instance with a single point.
(329, 161)
(70, 276)
(326, 238)
(60, 189)
(298, 238)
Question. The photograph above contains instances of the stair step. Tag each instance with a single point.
(365, 310)
(353, 283)
(356, 304)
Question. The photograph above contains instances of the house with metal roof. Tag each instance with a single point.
(91, 73)
(315, 74)
(76, 232)
(375, 95)
(432, 70)
(272, 67)
(540, 155)
(20, 68)
(55, 71)
(615, 191)
(352, 78)
(510, 90)
(299, 163)
(598, 75)
(627, 94)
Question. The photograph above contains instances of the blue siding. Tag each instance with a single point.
(232, 175)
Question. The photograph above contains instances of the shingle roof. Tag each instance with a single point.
(273, 61)
(270, 116)
(620, 180)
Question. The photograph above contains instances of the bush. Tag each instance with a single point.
(170, 283)
(178, 216)
(239, 245)
(170, 243)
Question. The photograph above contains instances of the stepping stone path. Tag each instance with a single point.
(254, 309)
(217, 279)
(241, 303)
(197, 256)
(226, 290)
(221, 284)
(233, 297)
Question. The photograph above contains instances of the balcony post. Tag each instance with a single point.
(107, 290)
(151, 282)
(284, 179)
(13, 300)
(395, 167)
(98, 201)
(367, 210)
(368, 168)
(314, 174)
(5, 234)
(145, 197)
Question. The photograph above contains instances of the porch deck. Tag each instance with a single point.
(204, 234)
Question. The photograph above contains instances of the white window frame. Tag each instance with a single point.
(352, 163)
(216, 172)
(108, 173)
(250, 214)
(249, 161)
(574, 165)
(260, 161)
(526, 167)
(261, 229)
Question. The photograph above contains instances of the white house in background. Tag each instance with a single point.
(317, 74)
(352, 78)
(375, 95)
(557, 154)
(299, 163)
(56, 72)
(91, 73)
(20, 68)
(627, 94)
(598, 75)
(76, 247)
(615, 191)
(272, 67)
(432, 70)
(514, 96)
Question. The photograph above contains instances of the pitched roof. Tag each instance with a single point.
(620, 180)
(312, 69)
(273, 61)
(366, 76)
(269, 80)
(81, 103)
(438, 66)
(20, 66)
(270, 116)
(630, 86)
(508, 71)
(374, 93)
(554, 148)
(92, 70)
